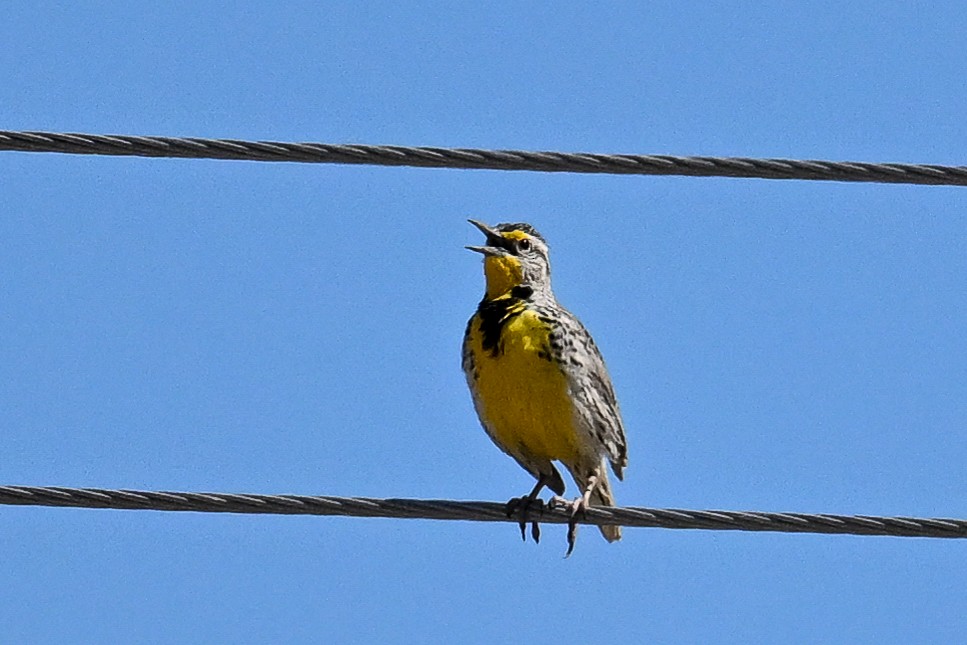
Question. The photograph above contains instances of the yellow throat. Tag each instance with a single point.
(503, 274)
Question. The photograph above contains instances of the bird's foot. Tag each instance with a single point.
(577, 508)
(522, 507)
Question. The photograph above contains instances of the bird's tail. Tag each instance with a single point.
(602, 496)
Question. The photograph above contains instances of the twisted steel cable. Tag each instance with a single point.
(426, 157)
(121, 145)
(478, 511)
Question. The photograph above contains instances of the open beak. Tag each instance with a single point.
(496, 243)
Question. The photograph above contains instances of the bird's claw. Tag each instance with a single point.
(522, 507)
(577, 509)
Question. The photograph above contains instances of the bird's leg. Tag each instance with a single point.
(521, 505)
(577, 507)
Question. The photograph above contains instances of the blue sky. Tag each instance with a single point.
(286, 328)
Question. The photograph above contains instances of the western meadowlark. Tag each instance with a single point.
(539, 384)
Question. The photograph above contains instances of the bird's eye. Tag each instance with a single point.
(524, 244)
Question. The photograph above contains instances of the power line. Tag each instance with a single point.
(478, 511)
(178, 147)
(426, 157)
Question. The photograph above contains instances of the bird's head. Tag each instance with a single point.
(514, 255)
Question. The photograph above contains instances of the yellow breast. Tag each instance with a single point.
(522, 393)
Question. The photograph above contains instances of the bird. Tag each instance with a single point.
(538, 381)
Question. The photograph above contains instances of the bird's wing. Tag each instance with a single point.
(592, 390)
